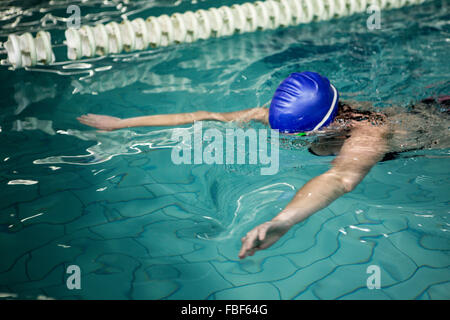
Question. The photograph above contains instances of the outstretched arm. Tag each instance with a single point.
(112, 123)
(366, 146)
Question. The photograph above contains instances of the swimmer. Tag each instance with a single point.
(308, 104)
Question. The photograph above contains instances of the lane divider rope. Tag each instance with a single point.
(139, 34)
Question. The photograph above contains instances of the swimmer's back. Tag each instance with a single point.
(424, 125)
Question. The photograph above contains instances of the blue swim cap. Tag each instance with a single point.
(303, 102)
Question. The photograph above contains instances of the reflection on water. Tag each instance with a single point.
(31, 123)
(112, 144)
(31, 92)
(32, 16)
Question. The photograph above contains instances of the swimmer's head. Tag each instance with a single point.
(303, 102)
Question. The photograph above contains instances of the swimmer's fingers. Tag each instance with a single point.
(83, 118)
(251, 243)
(247, 243)
(102, 122)
(86, 119)
(263, 231)
(93, 117)
(263, 236)
(88, 116)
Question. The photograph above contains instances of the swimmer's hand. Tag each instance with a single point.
(101, 122)
(263, 236)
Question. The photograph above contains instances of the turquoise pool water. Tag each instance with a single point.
(141, 227)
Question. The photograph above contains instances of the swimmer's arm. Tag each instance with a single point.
(358, 155)
(112, 123)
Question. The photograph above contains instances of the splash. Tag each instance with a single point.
(251, 207)
(113, 144)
